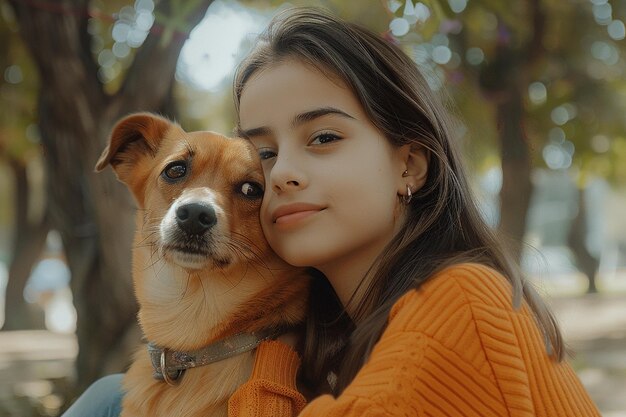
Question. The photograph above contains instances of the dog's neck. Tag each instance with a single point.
(172, 299)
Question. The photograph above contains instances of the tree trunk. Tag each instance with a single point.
(28, 243)
(586, 262)
(93, 213)
(516, 185)
(501, 82)
(504, 81)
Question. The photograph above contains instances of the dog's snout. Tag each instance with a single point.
(195, 218)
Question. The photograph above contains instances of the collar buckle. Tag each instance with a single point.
(178, 373)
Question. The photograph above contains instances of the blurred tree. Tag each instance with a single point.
(576, 106)
(30, 225)
(503, 80)
(551, 78)
(496, 46)
(29, 237)
(84, 89)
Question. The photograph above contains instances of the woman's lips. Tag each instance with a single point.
(294, 217)
(292, 213)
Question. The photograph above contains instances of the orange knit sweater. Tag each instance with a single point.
(455, 347)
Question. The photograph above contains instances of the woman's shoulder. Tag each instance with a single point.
(452, 290)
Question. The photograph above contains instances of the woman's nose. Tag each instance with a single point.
(287, 174)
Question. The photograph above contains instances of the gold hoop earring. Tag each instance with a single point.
(409, 195)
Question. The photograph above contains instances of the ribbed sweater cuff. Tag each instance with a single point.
(277, 362)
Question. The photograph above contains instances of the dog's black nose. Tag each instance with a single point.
(195, 218)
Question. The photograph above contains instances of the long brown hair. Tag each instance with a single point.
(443, 225)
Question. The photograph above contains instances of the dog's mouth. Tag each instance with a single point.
(178, 241)
(198, 245)
(192, 256)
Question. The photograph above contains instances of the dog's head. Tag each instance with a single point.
(198, 193)
(199, 236)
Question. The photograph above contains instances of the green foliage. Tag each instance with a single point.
(116, 31)
(18, 93)
(177, 20)
(579, 70)
(19, 81)
(574, 83)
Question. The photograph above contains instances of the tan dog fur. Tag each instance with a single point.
(188, 302)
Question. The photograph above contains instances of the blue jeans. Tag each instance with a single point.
(102, 399)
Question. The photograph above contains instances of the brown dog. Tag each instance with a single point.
(208, 285)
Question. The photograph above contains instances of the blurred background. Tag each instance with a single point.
(538, 86)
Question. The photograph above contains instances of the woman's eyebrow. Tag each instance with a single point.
(298, 120)
(316, 113)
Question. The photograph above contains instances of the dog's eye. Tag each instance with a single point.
(175, 170)
(251, 190)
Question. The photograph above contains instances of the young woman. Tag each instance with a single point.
(415, 308)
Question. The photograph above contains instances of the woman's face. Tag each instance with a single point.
(332, 179)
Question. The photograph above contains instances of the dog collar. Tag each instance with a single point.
(170, 365)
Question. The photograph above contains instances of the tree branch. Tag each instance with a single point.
(149, 78)
(534, 49)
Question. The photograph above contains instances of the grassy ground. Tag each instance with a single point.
(36, 366)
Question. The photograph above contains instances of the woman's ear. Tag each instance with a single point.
(415, 159)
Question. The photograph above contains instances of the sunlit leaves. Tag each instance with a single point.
(177, 20)
(574, 87)
(424, 16)
(116, 33)
(616, 30)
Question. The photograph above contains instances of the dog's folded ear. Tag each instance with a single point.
(133, 137)
(134, 140)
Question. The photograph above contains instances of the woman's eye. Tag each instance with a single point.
(324, 138)
(251, 190)
(175, 170)
(265, 153)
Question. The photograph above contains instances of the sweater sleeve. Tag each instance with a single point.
(271, 390)
(455, 347)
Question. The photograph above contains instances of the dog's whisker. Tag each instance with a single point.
(253, 266)
(250, 245)
(249, 242)
(243, 252)
(243, 249)
(155, 250)
(226, 278)
(182, 297)
(252, 256)
(152, 266)
(153, 261)
(144, 244)
(149, 236)
(206, 296)
(162, 264)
